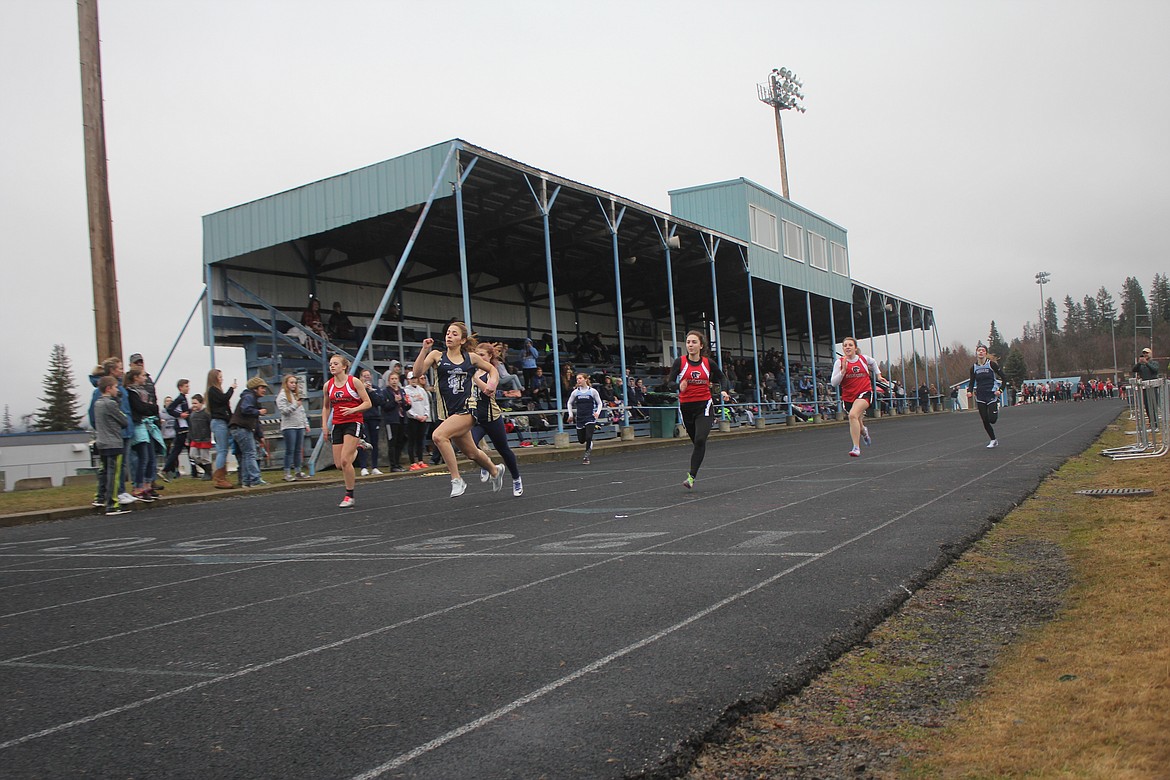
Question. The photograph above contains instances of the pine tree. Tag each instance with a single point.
(1015, 368)
(1106, 307)
(1074, 317)
(1050, 323)
(1092, 315)
(1160, 298)
(60, 410)
(995, 343)
(1133, 301)
(8, 421)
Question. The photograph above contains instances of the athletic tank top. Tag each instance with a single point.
(984, 381)
(344, 397)
(584, 403)
(698, 379)
(486, 408)
(855, 379)
(454, 386)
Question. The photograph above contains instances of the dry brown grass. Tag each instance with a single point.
(1089, 695)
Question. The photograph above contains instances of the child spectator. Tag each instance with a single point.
(108, 424)
(199, 437)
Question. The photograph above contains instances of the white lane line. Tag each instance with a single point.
(532, 696)
(105, 669)
(438, 742)
(136, 590)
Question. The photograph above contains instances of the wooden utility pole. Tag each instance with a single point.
(107, 321)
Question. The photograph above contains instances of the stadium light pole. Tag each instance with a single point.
(1113, 333)
(1042, 279)
(782, 93)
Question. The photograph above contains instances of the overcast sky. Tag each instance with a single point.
(964, 145)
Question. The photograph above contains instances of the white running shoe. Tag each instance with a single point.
(855, 452)
(484, 475)
(458, 487)
(365, 445)
(498, 479)
(865, 436)
(126, 498)
(993, 444)
(376, 472)
(347, 502)
(517, 487)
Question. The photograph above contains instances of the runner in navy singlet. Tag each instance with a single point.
(695, 373)
(986, 391)
(455, 402)
(584, 405)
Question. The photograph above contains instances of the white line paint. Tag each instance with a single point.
(135, 590)
(443, 739)
(117, 670)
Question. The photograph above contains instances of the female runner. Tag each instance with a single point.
(454, 403)
(855, 374)
(695, 373)
(489, 420)
(584, 405)
(347, 399)
(985, 391)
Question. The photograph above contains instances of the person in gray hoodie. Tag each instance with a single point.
(109, 422)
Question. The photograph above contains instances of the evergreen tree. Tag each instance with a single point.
(1050, 323)
(8, 421)
(1160, 298)
(1074, 317)
(1015, 368)
(995, 343)
(1092, 315)
(1106, 308)
(60, 410)
(1133, 301)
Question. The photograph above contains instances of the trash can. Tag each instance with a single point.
(662, 422)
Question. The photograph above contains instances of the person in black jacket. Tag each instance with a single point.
(394, 415)
(372, 428)
(219, 408)
(180, 409)
(143, 410)
(243, 425)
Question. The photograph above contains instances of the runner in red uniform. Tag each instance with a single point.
(695, 374)
(855, 374)
(347, 399)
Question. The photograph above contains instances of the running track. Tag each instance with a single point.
(596, 627)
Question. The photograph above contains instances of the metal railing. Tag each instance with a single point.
(1149, 409)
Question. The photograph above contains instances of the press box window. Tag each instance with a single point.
(818, 251)
(763, 227)
(793, 241)
(840, 259)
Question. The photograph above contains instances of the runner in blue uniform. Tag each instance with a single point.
(455, 403)
(986, 391)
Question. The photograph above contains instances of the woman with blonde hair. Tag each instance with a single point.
(347, 399)
(294, 427)
(489, 420)
(455, 404)
(220, 410)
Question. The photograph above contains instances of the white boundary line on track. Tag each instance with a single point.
(544, 690)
